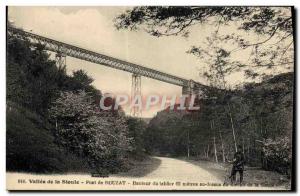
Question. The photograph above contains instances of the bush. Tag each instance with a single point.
(31, 147)
(278, 155)
(100, 136)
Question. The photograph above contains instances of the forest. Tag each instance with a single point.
(54, 123)
(258, 117)
(252, 43)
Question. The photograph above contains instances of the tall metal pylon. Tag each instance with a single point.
(61, 61)
(188, 90)
(136, 91)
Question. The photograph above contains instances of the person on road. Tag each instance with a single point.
(238, 165)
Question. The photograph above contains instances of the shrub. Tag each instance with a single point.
(278, 154)
(31, 147)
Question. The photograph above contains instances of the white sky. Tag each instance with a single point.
(92, 28)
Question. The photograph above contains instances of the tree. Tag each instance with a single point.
(89, 132)
(82, 77)
(259, 43)
(32, 78)
(80, 80)
(273, 27)
(136, 131)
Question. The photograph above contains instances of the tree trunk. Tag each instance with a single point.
(232, 127)
(222, 147)
(249, 144)
(243, 146)
(215, 147)
(214, 139)
(188, 143)
(207, 152)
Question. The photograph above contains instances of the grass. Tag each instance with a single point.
(252, 176)
(141, 168)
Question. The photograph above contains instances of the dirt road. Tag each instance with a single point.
(164, 176)
(178, 170)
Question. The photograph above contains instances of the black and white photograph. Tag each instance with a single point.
(150, 98)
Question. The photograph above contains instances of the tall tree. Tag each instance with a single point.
(272, 26)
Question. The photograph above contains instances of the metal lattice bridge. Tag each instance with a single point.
(63, 50)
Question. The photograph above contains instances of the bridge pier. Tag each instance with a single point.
(190, 89)
(61, 61)
(187, 90)
(136, 90)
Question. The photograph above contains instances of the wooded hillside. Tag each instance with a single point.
(54, 123)
(258, 117)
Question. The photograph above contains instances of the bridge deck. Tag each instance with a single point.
(91, 56)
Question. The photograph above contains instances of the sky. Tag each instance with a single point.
(93, 28)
